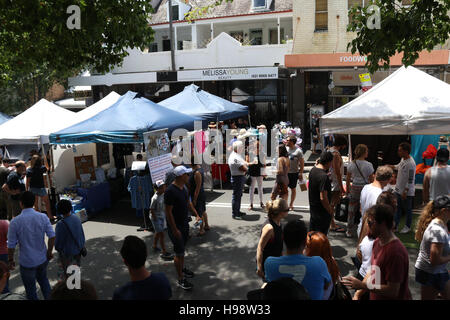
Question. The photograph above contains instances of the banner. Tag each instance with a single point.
(159, 156)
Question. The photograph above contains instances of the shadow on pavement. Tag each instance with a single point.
(120, 212)
(213, 195)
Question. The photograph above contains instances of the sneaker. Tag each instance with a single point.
(237, 217)
(185, 284)
(242, 213)
(405, 229)
(188, 273)
(166, 255)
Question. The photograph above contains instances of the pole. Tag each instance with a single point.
(41, 145)
(172, 45)
(249, 122)
(350, 147)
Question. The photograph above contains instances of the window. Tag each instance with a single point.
(354, 3)
(180, 45)
(175, 15)
(256, 37)
(321, 15)
(259, 4)
(153, 47)
(166, 45)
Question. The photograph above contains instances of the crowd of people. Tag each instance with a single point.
(285, 251)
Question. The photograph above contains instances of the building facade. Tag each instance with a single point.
(326, 73)
(236, 51)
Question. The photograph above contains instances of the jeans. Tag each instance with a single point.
(404, 205)
(4, 258)
(237, 183)
(29, 278)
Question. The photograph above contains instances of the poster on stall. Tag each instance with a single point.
(366, 81)
(316, 112)
(159, 156)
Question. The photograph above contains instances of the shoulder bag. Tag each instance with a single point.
(340, 292)
(83, 251)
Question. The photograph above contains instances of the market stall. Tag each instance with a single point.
(122, 122)
(408, 102)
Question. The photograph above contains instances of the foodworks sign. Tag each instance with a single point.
(352, 59)
(228, 74)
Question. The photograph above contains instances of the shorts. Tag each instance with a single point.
(200, 207)
(179, 244)
(293, 179)
(158, 224)
(437, 281)
(41, 192)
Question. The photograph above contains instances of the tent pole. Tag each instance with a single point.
(41, 145)
(350, 147)
(249, 122)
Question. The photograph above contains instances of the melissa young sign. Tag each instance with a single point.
(229, 74)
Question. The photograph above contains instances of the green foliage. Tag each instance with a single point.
(420, 26)
(37, 45)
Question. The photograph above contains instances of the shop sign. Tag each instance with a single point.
(353, 59)
(366, 81)
(228, 74)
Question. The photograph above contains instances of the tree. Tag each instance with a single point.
(36, 42)
(407, 29)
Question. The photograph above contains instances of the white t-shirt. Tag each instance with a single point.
(369, 196)
(434, 233)
(366, 169)
(235, 161)
(365, 246)
(406, 176)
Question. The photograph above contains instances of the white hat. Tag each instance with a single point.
(180, 170)
(159, 183)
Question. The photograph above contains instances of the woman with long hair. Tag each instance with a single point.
(360, 172)
(271, 241)
(35, 183)
(282, 180)
(317, 244)
(434, 254)
(254, 169)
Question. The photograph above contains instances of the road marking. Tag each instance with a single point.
(245, 205)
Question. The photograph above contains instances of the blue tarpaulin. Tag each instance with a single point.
(124, 122)
(197, 102)
(419, 144)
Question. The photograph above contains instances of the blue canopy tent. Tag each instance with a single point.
(197, 102)
(4, 118)
(124, 122)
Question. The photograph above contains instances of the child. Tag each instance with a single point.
(158, 218)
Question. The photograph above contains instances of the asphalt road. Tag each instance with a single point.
(223, 260)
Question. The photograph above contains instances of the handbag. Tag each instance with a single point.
(340, 292)
(83, 251)
(341, 213)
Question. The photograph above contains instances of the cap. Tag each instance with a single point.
(441, 202)
(159, 183)
(442, 155)
(180, 170)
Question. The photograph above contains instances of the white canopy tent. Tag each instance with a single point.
(408, 102)
(34, 125)
(97, 107)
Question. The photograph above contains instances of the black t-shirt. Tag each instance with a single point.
(15, 182)
(36, 177)
(4, 172)
(274, 247)
(155, 287)
(179, 199)
(318, 182)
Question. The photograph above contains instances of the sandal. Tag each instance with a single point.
(262, 205)
(291, 208)
(338, 229)
(251, 207)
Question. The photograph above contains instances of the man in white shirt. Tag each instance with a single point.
(404, 188)
(370, 192)
(436, 181)
(238, 168)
